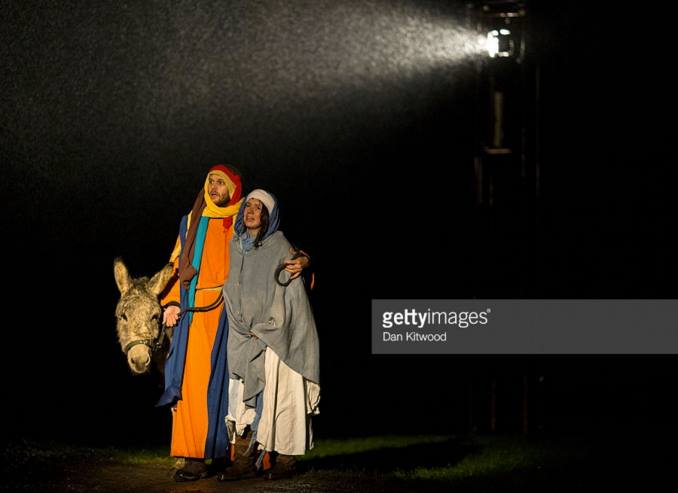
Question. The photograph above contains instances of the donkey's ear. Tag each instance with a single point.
(159, 281)
(122, 278)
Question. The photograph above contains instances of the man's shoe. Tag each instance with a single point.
(193, 470)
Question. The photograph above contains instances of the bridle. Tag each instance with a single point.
(155, 344)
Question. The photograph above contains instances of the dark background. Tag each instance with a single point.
(350, 114)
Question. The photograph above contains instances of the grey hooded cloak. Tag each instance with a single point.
(272, 344)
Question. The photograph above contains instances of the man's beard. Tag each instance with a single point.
(223, 202)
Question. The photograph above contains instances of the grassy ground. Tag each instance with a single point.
(369, 464)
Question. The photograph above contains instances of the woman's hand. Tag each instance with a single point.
(296, 266)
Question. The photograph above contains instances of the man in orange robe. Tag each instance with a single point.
(196, 371)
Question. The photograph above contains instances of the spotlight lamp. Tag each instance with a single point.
(500, 43)
(501, 22)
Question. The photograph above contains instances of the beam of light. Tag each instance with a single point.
(402, 42)
(312, 53)
(254, 67)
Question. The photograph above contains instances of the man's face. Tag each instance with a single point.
(217, 189)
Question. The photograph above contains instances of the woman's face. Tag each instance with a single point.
(252, 214)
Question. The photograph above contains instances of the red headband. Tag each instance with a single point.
(235, 178)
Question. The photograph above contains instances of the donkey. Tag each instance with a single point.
(139, 315)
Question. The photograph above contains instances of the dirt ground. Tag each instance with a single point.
(126, 478)
(54, 468)
(487, 465)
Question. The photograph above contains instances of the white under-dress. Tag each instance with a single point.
(289, 403)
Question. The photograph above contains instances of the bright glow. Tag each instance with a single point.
(498, 43)
(492, 44)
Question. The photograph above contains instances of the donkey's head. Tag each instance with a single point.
(139, 314)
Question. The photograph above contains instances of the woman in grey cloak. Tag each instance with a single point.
(273, 353)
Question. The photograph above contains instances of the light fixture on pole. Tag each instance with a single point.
(500, 43)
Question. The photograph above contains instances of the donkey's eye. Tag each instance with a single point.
(154, 317)
(123, 317)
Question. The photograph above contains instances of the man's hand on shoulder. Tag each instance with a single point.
(297, 265)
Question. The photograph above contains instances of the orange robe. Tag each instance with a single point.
(190, 421)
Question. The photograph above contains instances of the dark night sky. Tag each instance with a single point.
(353, 115)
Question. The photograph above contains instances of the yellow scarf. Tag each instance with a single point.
(207, 208)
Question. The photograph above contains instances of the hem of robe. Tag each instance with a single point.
(198, 427)
(289, 402)
(190, 420)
